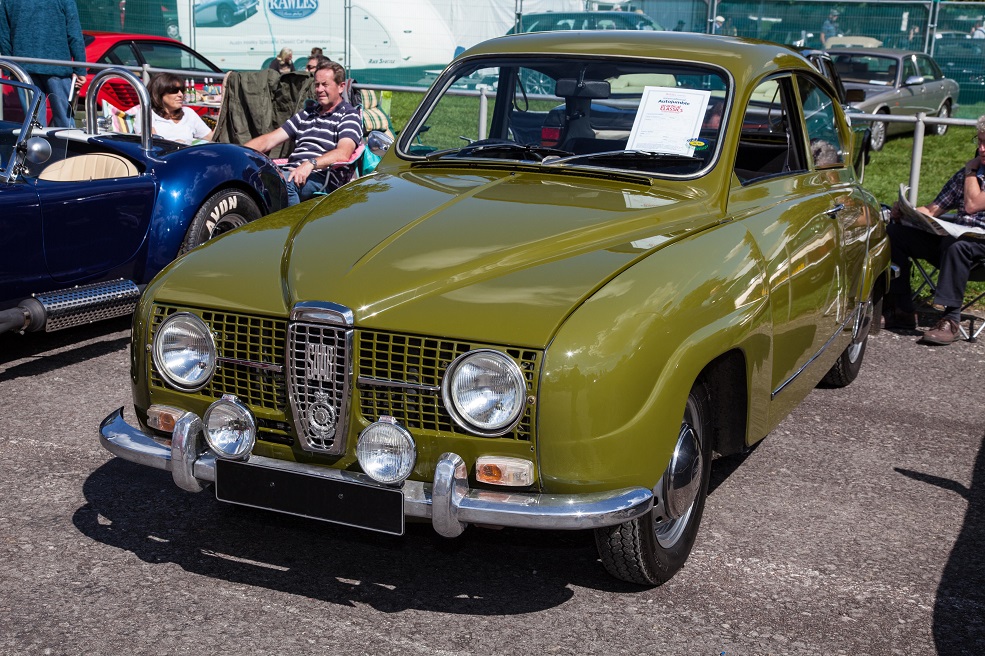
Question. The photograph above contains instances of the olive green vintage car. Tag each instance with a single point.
(591, 262)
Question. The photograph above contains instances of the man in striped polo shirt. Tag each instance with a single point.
(323, 134)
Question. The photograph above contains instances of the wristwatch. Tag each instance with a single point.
(314, 163)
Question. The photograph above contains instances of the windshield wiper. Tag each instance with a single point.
(631, 155)
(534, 152)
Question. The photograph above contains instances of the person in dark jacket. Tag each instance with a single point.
(46, 29)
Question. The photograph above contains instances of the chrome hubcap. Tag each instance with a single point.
(863, 320)
(681, 483)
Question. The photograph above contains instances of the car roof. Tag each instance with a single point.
(878, 52)
(126, 36)
(530, 14)
(746, 59)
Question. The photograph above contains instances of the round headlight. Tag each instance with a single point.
(386, 452)
(484, 392)
(184, 352)
(230, 428)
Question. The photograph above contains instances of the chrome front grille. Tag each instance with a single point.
(319, 344)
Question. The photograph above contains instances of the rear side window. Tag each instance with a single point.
(827, 149)
(167, 55)
(767, 144)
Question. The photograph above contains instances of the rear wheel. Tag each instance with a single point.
(945, 112)
(849, 363)
(651, 549)
(877, 135)
(221, 212)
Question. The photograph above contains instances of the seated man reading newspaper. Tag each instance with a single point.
(952, 244)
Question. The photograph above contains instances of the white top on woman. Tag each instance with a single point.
(190, 127)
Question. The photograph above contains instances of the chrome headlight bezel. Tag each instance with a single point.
(449, 394)
(206, 361)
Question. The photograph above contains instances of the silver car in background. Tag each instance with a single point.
(223, 13)
(896, 82)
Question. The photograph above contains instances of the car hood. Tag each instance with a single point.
(870, 90)
(493, 256)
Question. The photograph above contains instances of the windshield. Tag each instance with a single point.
(867, 69)
(20, 104)
(652, 117)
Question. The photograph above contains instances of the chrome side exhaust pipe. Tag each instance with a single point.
(70, 307)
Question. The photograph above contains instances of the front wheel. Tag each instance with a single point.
(224, 14)
(940, 129)
(221, 212)
(651, 549)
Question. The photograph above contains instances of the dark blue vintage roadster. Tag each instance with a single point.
(88, 217)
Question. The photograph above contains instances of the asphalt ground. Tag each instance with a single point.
(855, 528)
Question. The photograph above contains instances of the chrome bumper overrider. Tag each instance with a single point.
(448, 501)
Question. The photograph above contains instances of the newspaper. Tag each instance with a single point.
(911, 216)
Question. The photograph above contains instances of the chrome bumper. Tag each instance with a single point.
(448, 502)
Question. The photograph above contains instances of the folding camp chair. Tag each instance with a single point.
(976, 274)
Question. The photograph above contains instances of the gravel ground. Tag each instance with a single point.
(854, 528)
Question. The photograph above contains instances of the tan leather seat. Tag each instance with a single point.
(93, 166)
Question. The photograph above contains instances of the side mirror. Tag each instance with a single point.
(37, 150)
(913, 80)
(378, 143)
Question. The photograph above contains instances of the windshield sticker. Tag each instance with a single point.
(698, 144)
(664, 115)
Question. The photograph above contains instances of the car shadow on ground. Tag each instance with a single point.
(44, 352)
(959, 609)
(482, 572)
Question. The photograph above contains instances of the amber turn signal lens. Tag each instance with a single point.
(163, 417)
(503, 470)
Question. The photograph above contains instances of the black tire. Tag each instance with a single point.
(649, 551)
(877, 135)
(224, 15)
(849, 363)
(221, 212)
(945, 112)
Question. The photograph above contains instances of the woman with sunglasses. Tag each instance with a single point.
(169, 117)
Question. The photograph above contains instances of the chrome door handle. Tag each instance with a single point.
(833, 212)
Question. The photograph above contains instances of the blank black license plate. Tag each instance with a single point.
(353, 504)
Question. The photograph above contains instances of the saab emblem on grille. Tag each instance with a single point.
(322, 416)
(321, 358)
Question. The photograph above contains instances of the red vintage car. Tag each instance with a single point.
(132, 50)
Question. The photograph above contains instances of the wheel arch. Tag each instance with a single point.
(613, 390)
(728, 393)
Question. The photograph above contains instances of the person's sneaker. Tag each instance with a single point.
(898, 320)
(945, 332)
